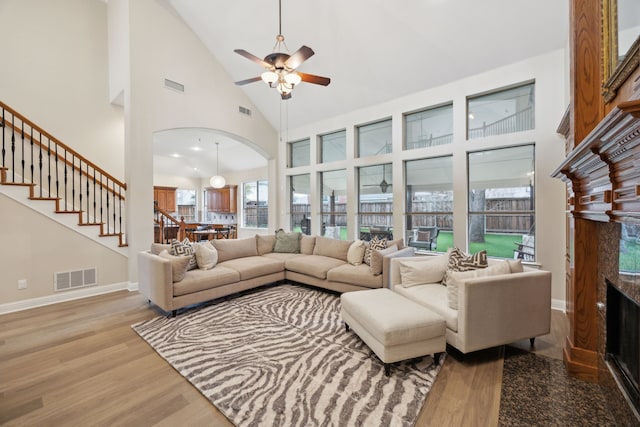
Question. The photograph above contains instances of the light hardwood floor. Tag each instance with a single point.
(79, 363)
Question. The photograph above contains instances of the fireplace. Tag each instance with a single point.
(623, 342)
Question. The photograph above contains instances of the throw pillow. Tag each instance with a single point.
(515, 265)
(457, 279)
(377, 256)
(235, 248)
(179, 265)
(333, 248)
(355, 254)
(287, 243)
(459, 261)
(156, 248)
(185, 249)
(421, 271)
(375, 243)
(206, 255)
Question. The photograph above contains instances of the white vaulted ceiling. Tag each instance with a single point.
(373, 50)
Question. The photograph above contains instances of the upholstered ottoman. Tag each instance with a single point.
(394, 327)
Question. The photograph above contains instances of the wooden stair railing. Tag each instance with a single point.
(179, 229)
(53, 171)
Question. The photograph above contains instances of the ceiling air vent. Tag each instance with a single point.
(244, 110)
(173, 85)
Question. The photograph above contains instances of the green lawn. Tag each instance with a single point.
(496, 245)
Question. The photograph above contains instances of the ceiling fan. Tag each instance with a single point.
(384, 185)
(281, 67)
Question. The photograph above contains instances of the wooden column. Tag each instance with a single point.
(580, 353)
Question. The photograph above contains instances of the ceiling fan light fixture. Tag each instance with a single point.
(284, 88)
(269, 77)
(292, 78)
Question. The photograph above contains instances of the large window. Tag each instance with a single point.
(333, 146)
(429, 189)
(375, 207)
(300, 186)
(299, 153)
(506, 111)
(502, 202)
(374, 138)
(186, 201)
(429, 128)
(334, 204)
(255, 196)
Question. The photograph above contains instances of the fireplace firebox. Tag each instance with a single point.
(623, 341)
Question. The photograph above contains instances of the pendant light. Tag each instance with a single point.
(218, 180)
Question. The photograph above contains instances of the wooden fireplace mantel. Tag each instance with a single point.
(603, 172)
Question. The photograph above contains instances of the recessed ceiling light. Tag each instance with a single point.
(471, 116)
(196, 148)
(175, 155)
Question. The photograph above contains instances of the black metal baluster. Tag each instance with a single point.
(88, 198)
(3, 150)
(13, 150)
(101, 200)
(80, 187)
(107, 215)
(66, 194)
(120, 209)
(22, 147)
(73, 182)
(40, 163)
(94, 196)
(57, 177)
(49, 165)
(31, 165)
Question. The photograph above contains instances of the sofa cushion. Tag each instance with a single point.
(179, 265)
(434, 297)
(282, 256)
(255, 266)
(200, 280)
(354, 275)
(355, 254)
(313, 265)
(235, 248)
(333, 248)
(307, 244)
(375, 243)
(184, 248)
(420, 271)
(376, 259)
(265, 243)
(206, 255)
(287, 242)
(398, 242)
(515, 265)
(457, 279)
(156, 248)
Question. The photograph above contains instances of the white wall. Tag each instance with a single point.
(161, 46)
(54, 71)
(549, 72)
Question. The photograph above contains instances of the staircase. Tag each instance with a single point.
(36, 167)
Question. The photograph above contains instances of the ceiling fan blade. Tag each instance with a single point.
(253, 58)
(312, 78)
(247, 81)
(298, 57)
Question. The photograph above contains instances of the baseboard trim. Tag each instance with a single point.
(66, 296)
(559, 304)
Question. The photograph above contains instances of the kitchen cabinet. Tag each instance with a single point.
(165, 197)
(222, 200)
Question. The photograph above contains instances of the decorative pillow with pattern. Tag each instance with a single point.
(184, 248)
(460, 261)
(375, 243)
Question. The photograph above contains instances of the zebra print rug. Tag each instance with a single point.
(280, 356)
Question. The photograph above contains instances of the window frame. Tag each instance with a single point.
(257, 208)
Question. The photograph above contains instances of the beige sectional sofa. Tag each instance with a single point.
(248, 263)
(502, 304)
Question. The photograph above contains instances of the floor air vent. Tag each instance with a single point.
(75, 279)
